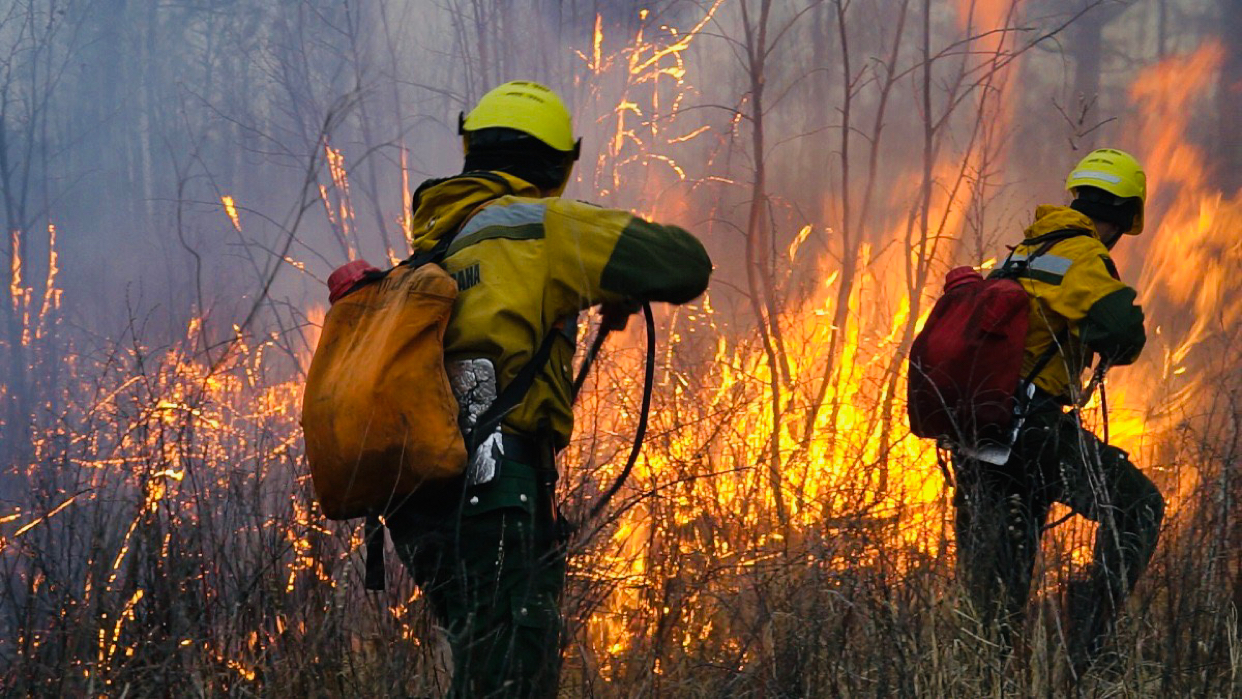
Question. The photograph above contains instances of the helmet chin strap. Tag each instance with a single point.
(1113, 235)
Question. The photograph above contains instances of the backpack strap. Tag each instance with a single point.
(511, 396)
(437, 253)
(1041, 364)
(525, 378)
(373, 553)
(508, 399)
(516, 391)
(1014, 269)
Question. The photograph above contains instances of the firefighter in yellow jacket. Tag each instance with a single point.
(487, 550)
(1079, 310)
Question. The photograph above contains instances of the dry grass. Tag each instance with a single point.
(190, 555)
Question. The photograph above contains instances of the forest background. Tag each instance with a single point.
(178, 179)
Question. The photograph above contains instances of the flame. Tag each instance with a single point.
(1187, 259)
(988, 22)
(1189, 262)
(597, 45)
(38, 520)
(832, 466)
(230, 209)
(407, 210)
(858, 456)
(336, 168)
(651, 71)
(51, 294)
(108, 642)
(15, 268)
(337, 203)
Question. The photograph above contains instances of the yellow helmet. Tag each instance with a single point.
(528, 107)
(1115, 172)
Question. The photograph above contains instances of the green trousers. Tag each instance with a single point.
(491, 562)
(1002, 510)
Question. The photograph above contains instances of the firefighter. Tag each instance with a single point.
(487, 550)
(1079, 308)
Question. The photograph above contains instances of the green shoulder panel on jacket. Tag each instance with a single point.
(602, 255)
(652, 262)
(580, 240)
(1113, 327)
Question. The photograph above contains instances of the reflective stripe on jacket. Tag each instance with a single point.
(1076, 294)
(526, 265)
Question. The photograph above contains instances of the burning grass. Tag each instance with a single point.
(162, 533)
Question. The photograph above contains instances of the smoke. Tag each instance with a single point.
(126, 123)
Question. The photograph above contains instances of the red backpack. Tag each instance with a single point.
(966, 363)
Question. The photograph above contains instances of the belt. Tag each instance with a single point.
(525, 449)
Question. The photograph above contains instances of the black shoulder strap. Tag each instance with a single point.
(1058, 235)
(440, 250)
(517, 389)
(520, 385)
(373, 529)
(1016, 268)
(1042, 363)
(436, 254)
(373, 561)
(511, 396)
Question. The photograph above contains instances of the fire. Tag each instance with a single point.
(344, 212)
(187, 465)
(230, 209)
(38, 520)
(108, 642)
(1189, 261)
(653, 76)
(1185, 263)
(407, 212)
(858, 455)
(15, 270)
(839, 453)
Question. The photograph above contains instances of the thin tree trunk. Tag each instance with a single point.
(853, 229)
(756, 245)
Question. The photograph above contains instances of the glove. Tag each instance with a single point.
(615, 316)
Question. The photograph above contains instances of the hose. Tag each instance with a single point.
(648, 385)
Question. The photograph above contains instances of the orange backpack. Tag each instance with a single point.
(379, 414)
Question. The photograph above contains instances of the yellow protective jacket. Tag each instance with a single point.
(1077, 301)
(526, 265)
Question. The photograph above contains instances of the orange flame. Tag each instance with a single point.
(230, 209)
